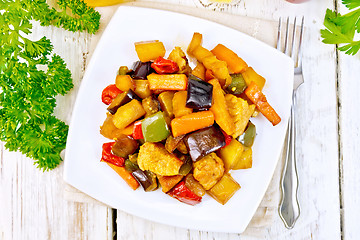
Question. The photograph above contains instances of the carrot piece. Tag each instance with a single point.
(255, 95)
(128, 178)
(220, 109)
(234, 62)
(191, 122)
(167, 81)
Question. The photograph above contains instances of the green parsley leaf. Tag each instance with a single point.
(341, 29)
(27, 93)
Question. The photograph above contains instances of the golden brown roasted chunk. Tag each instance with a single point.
(240, 111)
(168, 182)
(209, 170)
(154, 157)
(177, 55)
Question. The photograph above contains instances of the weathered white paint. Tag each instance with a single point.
(32, 203)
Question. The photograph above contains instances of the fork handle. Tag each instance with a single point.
(289, 208)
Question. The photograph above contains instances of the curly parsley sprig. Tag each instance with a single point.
(31, 75)
(340, 29)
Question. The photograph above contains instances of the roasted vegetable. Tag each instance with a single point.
(154, 157)
(245, 160)
(220, 109)
(208, 170)
(123, 70)
(179, 104)
(128, 178)
(224, 189)
(154, 128)
(172, 143)
(122, 99)
(218, 67)
(167, 82)
(164, 66)
(177, 55)
(137, 131)
(199, 94)
(124, 146)
(165, 99)
(109, 93)
(191, 122)
(142, 88)
(238, 84)
(124, 82)
(149, 50)
(184, 194)
(195, 41)
(199, 71)
(168, 182)
(233, 61)
(248, 137)
(204, 141)
(130, 166)
(146, 179)
(186, 167)
(150, 105)
(254, 93)
(231, 154)
(109, 130)
(251, 76)
(240, 112)
(194, 185)
(141, 70)
(109, 157)
(128, 113)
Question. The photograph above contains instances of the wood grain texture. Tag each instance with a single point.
(32, 203)
(349, 132)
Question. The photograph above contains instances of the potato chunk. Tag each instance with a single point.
(177, 55)
(154, 157)
(208, 170)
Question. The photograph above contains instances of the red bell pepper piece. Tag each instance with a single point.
(108, 156)
(109, 93)
(137, 131)
(184, 194)
(227, 138)
(162, 66)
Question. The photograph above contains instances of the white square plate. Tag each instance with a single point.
(83, 168)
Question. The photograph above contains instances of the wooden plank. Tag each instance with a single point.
(32, 203)
(317, 145)
(349, 131)
(349, 119)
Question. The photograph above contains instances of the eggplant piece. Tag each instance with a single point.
(121, 99)
(146, 179)
(199, 94)
(141, 70)
(150, 105)
(124, 146)
(204, 141)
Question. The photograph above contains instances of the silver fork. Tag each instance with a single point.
(289, 209)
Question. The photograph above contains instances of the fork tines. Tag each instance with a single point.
(290, 47)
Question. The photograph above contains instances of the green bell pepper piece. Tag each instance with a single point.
(248, 137)
(238, 84)
(154, 128)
